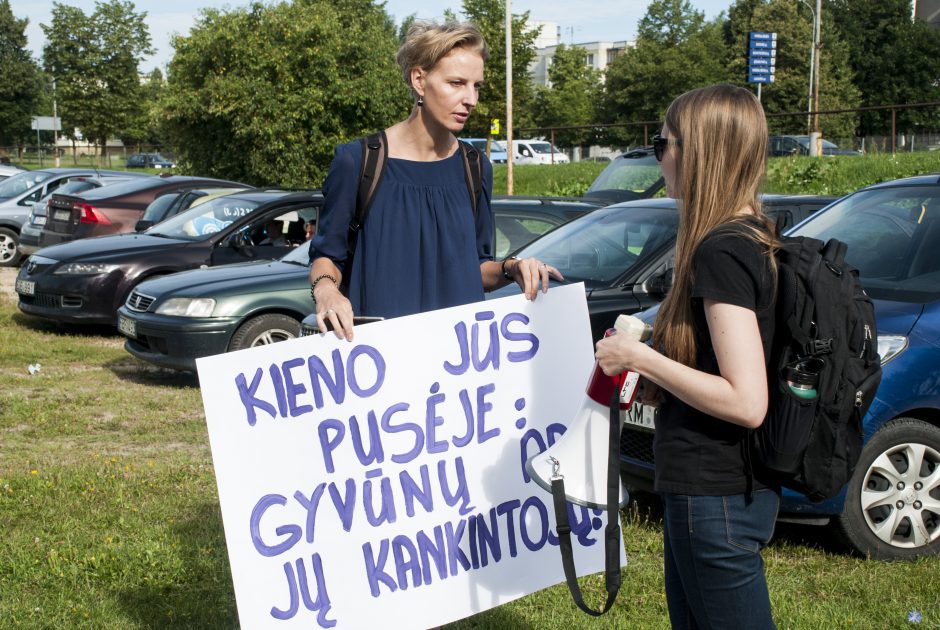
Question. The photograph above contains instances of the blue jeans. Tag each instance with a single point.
(713, 567)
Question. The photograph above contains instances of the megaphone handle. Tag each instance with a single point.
(612, 538)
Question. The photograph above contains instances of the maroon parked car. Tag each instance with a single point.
(114, 209)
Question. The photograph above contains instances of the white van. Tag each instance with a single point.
(536, 152)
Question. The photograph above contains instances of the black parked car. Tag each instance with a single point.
(624, 253)
(799, 145)
(87, 280)
(148, 160)
(171, 321)
(635, 174)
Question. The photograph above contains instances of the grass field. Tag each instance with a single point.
(110, 518)
(109, 513)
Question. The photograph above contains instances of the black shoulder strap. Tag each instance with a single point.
(374, 158)
(473, 171)
(612, 536)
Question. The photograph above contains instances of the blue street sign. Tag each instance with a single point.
(762, 57)
(762, 53)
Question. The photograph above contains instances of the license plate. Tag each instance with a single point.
(62, 215)
(642, 416)
(127, 327)
(26, 287)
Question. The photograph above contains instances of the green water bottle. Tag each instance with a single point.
(803, 377)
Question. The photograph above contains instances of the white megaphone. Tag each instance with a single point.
(580, 455)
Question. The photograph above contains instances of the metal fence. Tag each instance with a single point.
(114, 156)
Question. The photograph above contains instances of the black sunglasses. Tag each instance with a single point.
(660, 144)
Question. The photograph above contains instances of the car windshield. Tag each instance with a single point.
(893, 236)
(602, 246)
(158, 207)
(21, 182)
(543, 147)
(496, 145)
(632, 171)
(199, 223)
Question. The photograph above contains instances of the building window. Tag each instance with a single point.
(613, 53)
(590, 59)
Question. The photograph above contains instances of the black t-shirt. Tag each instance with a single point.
(697, 453)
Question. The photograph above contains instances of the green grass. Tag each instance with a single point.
(110, 519)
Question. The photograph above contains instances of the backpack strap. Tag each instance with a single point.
(473, 171)
(374, 159)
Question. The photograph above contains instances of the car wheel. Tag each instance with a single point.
(9, 254)
(264, 330)
(892, 504)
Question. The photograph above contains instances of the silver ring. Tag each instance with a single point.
(544, 266)
(327, 311)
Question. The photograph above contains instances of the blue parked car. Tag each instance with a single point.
(890, 509)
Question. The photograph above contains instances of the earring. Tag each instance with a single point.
(420, 101)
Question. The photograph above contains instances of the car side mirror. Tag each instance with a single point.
(143, 224)
(658, 285)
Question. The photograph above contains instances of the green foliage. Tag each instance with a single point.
(892, 59)
(262, 94)
(571, 98)
(840, 175)
(143, 128)
(95, 60)
(676, 50)
(20, 81)
(490, 18)
(789, 92)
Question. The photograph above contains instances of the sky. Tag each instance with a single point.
(581, 21)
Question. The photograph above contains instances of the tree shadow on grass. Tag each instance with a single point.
(203, 596)
(132, 369)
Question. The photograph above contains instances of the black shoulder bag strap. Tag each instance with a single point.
(612, 537)
(374, 158)
(473, 172)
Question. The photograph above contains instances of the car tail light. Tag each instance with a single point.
(92, 215)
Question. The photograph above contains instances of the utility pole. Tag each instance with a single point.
(815, 137)
(55, 126)
(509, 147)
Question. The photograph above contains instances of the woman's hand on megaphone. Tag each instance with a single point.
(618, 353)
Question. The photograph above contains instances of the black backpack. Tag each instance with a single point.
(824, 369)
(374, 158)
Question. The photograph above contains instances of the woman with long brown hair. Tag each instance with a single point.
(707, 366)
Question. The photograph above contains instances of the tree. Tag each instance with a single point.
(144, 127)
(893, 59)
(676, 50)
(263, 94)
(571, 98)
(20, 79)
(790, 90)
(490, 18)
(95, 61)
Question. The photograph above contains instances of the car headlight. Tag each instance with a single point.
(84, 269)
(890, 346)
(187, 307)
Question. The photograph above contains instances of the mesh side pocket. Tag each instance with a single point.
(785, 433)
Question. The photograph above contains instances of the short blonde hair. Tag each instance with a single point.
(427, 43)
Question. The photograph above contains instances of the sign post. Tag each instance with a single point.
(44, 123)
(761, 58)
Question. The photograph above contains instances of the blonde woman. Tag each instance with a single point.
(422, 247)
(708, 362)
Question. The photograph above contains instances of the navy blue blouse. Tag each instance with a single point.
(421, 247)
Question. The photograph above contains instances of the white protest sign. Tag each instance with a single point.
(382, 481)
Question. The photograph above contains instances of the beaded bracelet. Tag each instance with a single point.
(506, 274)
(324, 276)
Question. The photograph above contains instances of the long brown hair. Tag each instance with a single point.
(721, 165)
